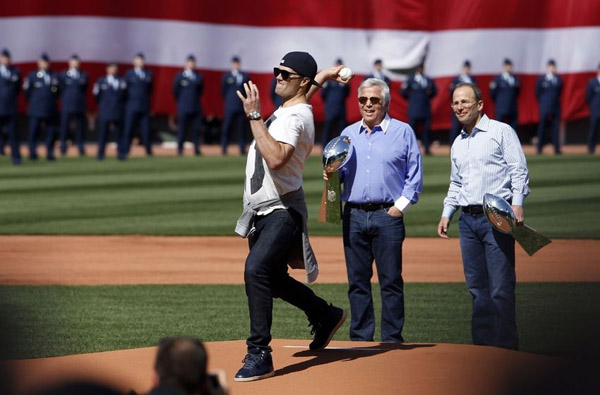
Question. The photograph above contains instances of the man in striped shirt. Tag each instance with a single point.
(486, 158)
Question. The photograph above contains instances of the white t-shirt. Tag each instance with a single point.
(291, 125)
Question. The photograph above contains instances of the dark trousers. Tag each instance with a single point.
(35, 124)
(489, 265)
(79, 137)
(132, 119)
(508, 118)
(455, 129)
(593, 137)
(238, 121)
(103, 133)
(554, 121)
(334, 124)
(375, 235)
(266, 275)
(185, 119)
(10, 123)
(425, 122)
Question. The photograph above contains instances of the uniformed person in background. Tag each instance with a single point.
(187, 90)
(378, 72)
(466, 77)
(504, 90)
(234, 116)
(10, 85)
(41, 91)
(110, 91)
(592, 96)
(139, 82)
(73, 89)
(547, 91)
(419, 89)
(334, 96)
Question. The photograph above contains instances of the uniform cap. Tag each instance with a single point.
(339, 61)
(507, 61)
(74, 57)
(467, 63)
(551, 62)
(5, 52)
(190, 58)
(140, 55)
(235, 59)
(44, 56)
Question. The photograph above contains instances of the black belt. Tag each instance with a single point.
(474, 209)
(370, 206)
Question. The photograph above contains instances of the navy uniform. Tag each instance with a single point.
(10, 81)
(41, 91)
(110, 92)
(137, 109)
(187, 90)
(592, 95)
(231, 82)
(465, 76)
(504, 90)
(419, 90)
(334, 96)
(275, 98)
(73, 89)
(378, 72)
(547, 91)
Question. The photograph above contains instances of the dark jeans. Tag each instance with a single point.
(426, 131)
(237, 120)
(266, 275)
(554, 121)
(489, 264)
(375, 235)
(10, 122)
(80, 128)
(185, 119)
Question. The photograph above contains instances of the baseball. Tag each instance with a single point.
(345, 73)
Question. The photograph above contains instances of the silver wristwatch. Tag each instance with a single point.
(254, 115)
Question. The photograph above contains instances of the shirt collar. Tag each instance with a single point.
(383, 126)
(481, 126)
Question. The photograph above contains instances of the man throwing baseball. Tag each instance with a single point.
(275, 213)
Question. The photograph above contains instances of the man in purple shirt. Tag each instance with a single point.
(382, 179)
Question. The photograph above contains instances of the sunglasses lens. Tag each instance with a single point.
(284, 73)
(363, 100)
(374, 100)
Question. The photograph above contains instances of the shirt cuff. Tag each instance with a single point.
(403, 204)
(448, 212)
(518, 199)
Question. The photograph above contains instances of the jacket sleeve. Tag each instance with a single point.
(405, 91)
(589, 92)
(538, 88)
(176, 87)
(433, 91)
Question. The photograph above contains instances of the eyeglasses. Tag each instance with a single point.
(374, 100)
(285, 75)
(463, 103)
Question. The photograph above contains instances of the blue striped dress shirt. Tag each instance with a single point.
(489, 160)
(387, 166)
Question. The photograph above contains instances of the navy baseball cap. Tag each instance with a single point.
(44, 56)
(190, 58)
(5, 52)
(302, 63)
(507, 61)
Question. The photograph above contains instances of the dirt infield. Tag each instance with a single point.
(90, 260)
(343, 368)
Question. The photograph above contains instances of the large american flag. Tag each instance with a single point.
(400, 32)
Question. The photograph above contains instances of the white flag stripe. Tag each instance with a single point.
(167, 43)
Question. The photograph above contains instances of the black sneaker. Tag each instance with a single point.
(258, 364)
(325, 329)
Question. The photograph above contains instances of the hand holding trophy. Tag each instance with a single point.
(335, 155)
(499, 212)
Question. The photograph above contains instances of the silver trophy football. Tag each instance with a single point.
(335, 155)
(500, 213)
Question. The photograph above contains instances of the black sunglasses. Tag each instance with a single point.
(374, 100)
(285, 75)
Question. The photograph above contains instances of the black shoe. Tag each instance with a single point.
(325, 329)
(258, 364)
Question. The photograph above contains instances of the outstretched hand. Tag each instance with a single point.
(252, 100)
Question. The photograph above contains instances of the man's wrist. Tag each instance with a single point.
(254, 115)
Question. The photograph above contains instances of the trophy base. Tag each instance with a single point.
(530, 239)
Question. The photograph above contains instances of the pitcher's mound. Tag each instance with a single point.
(342, 368)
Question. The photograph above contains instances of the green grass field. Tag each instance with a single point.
(202, 196)
(61, 320)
